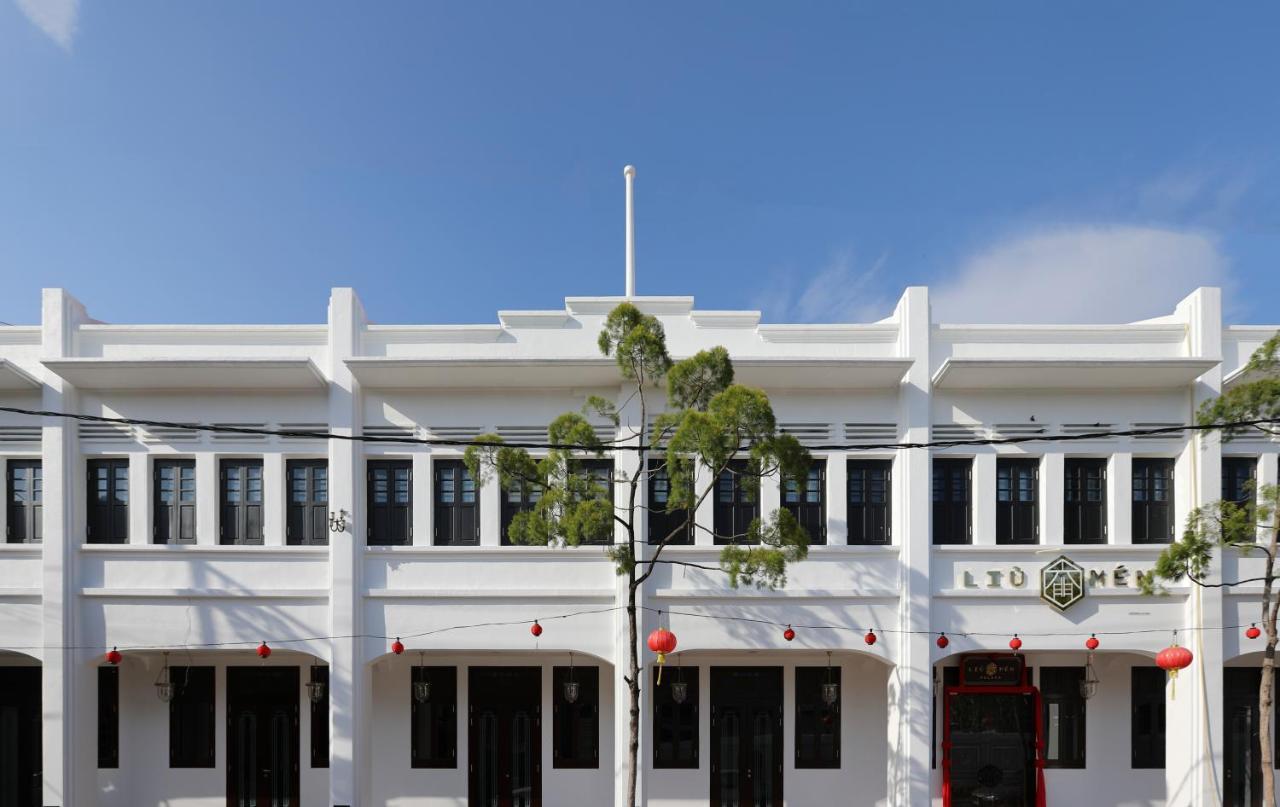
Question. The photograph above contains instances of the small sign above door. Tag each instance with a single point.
(989, 671)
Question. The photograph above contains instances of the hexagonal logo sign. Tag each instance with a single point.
(1062, 583)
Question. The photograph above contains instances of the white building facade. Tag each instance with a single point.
(186, 549)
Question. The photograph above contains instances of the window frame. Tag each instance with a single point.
(1080, 517)
(662, 522)
(1017, 519)
(1234, 462)
(449, 525)
(108, 717)
(397, 513)
(565, 715)
(187, 680)
(1147, 749)
(1143, 510)
(113, 513)
(806, 513)
(320, 719)
(29, 512)
(739, 512)
(444, 682)
(171, 515)
(236, 520)
(858, 474)
(684, 719)
(950, 468)
(810, 711)
(1062, 688)
(527, 501)
(307, 521)
(590, 466)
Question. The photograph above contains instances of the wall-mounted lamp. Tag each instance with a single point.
(338, 521)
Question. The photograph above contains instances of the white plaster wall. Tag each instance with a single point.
(396, 783)
(860, 779)
(144, 778)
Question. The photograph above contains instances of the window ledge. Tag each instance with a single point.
(1050, 549)
(205, 549)
(585, 553)
(22, 550)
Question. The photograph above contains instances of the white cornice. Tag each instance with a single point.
(1063, 334)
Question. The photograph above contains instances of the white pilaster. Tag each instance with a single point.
(1194, 763)
(207, 494)
(1051, 493)
(349, 687)
(910, 701)
(275, 494)
(67, 685)
(1120, 498)
(984, 498)
(837, 498)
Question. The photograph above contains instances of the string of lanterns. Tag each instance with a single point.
(663, 642)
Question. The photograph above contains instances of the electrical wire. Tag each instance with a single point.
(306, 434)
(971, 634)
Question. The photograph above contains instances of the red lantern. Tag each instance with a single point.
(788, 634)
(535, 628)
(1253, 632)
(113, 656)
(1092, 642)
(943, 641)
(870, 638)
(1174, 658)
(264, 652)
(397, 647)
(1015, 643)
(662, 642)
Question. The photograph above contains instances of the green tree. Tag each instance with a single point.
(1248, 527)
(708, 421)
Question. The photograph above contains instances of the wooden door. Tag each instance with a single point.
(262, 737)
(20, 757)
(746, 736)
(505, 737)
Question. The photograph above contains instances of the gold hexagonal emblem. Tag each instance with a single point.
(1062, 583)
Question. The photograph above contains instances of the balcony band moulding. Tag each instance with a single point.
(192, 373)
(13, 377)
(1069, 374)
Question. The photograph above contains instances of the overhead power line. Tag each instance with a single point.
(309, 434)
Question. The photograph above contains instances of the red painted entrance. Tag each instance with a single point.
(992, 736)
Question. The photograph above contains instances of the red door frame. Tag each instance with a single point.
(962, 689)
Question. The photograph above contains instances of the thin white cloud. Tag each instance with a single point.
(57, 18)
(1088, 274)
(842, 291)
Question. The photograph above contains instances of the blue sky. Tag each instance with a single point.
(229, 162)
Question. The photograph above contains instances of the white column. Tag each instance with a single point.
(1120, 498)
(207, 499)
(837, 498)
(984, 499)
(140, 493)
(423, 527)
(491, 513)
(706, 513)
(349, 689)
(910, 690)
(275, 496)
(67, 685)
(1194, 764)
(1052, 479)
(770, 495)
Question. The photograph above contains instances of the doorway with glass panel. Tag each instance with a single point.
(746, 737)
(505, 737)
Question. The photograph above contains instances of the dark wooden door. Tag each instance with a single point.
(991, 759)
(746, 737)
(1241, 748)
(505, 731)
(262, 737)
(20, 780)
